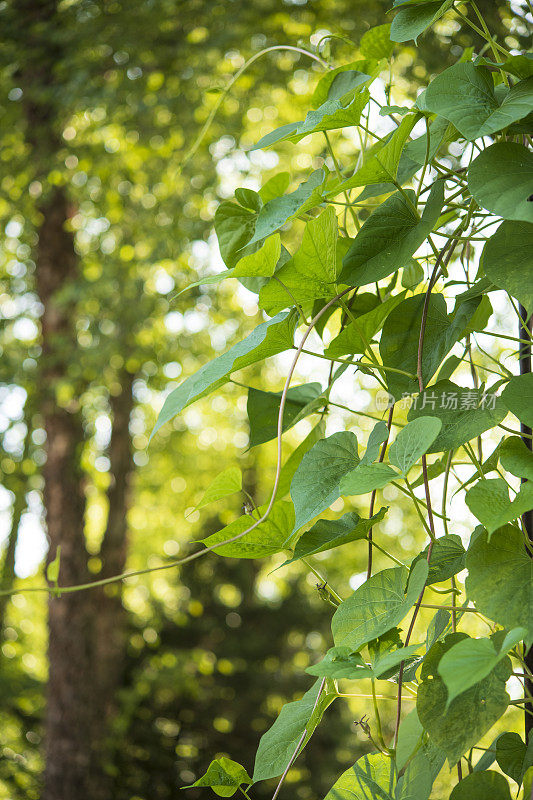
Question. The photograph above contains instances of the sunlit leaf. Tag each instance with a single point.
(489, 501)
(355, 337)
(224, 777)
(265, 540)
(369, 779)
(482, 785)
(226, 483)
(410, 22)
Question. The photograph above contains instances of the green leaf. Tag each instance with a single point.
(274, 186)
(465, 95)
(447, 558)
(262, 263)
(279, 743)
(517, 458)
(400, 340)
(355, 337)
(512, 755)
(518, 398)
(469, 661)
(268, 339)
(227, 482)
(500, 577)
(409, 736)
(291, 465)
(465, 413)
(412, 274)
(489, 502)
(481, 705)
(335, 83)
(417, 780)
(341, 662)
(224, 776)
(376, 43)
(481, 786)
(327, 534)
(315, 485)
(367, 477)
(500, 180)
(378, 436)
(409, 23)
(311, 273)
(508, 257)
(263, 410)
(369, 779)
(413, 441)
(52, 570)
(234, 226)
(377, 606)
(383, 165)
(265, 540)
(279, 210)
(520, 65)
(332, 114)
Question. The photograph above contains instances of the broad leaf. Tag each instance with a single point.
(369, 779)
(377, 606)
(469, 661)
(478, 112)
(413, 441)
(500, 578)
(489, 502)
(224, 777)
(417, 780)
(266, 340)
(356, 336)
(278, 744)
(376, 42)
(516, 458)
(508, 258)
(481, 705)
(465, 413)
(367, 477)
(518, 397)
(409, 736)
(274, 186)
(327, 534)
(262, 262)
(500, 180)
(311, 273)
(234, 226)
(410, 22)
(291, 465)
(383, 164)
(265, 540)
(227, 482)
(263, 410)
(447, 558)
(331, 115)
(378, 435)
(400, 340)
(513, 756)
(278, 211)
(315, 485)
(481, 786)
(341, 662)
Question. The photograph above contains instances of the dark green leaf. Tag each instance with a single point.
(447, 558)
(356, 336)
(481, 705)
(500, 576)
(376, 42)
(481, 786)
(465, 95)
(315, 485)
(409, 23)
(377, 606)
(518, 397)
(263, 410)
(341, 662)
(266, 340)
(278, 211)
(291, 465)
(500, 180)
(508, 258)
(517, 458)
(367, 477)
(512, 755)
(329, 533)
(465, 413)
(378, 435)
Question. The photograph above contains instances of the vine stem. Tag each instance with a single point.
(443, 258)
(58, 590)
(373, 495)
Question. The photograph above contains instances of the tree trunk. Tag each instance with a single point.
(109, 613)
